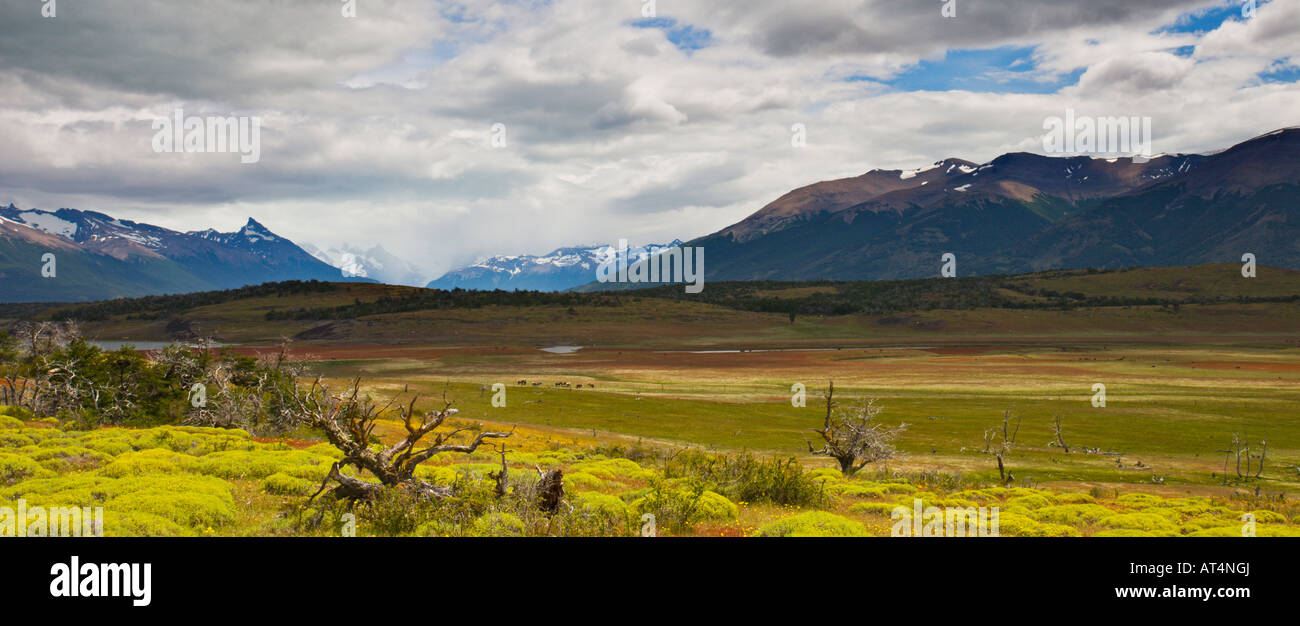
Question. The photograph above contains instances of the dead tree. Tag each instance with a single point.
(1263, 453)
(1059, 432)
(550, 489)
(852, 437)
(502, 477)
(1000, 441)
(348, 421)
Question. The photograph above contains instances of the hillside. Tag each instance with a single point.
(1211, 299)
(1023, 212)
(99, 257)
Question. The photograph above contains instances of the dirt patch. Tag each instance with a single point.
(960, 350)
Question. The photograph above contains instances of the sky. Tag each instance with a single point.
(621, 119)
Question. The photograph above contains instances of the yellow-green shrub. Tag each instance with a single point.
(614, 469)
(581, 481)
(282, 484)
(1124, 532)
(141, 524)
(1075, 498)
(977, 495)
(1146, 522)
(436, 474)
(193, 440)
(614, 509)
(111, 442)
(10, 422)
(826, 473)
(1172, 515)
(853, 490)
(716, 506)
(41, 487)
(498, 524)
(897, 488)
(1260, 531)
(152, 461)
(880, 509)
(326, 450)
(16, 467)
(952, 502)
(1015, 525)
(195, 510)
(1139, 500)
(13, 438)
(1072, 514)
(813, 524)
(1197, 508)
(166, 484)
(1268, 517)
(1032, 501)
(67, 458)
(260, 463)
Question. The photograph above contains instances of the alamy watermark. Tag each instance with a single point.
(677, 264)
(57, 521)
(1074, 134)
(75, 579)
(181, 133)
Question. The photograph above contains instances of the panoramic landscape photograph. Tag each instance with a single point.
(448, 271)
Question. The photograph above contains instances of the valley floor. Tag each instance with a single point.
(1149, 462)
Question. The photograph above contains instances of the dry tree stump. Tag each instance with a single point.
(550, 490)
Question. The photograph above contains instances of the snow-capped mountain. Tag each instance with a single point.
(1025, 212)
(559, 270)
(99, 256)
(376, 263)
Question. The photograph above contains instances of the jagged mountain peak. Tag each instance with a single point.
(104, 257)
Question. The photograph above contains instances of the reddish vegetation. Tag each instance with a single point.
(1240, 365)
(959, 350)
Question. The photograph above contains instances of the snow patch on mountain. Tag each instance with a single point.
(557, 270)
(48, 223)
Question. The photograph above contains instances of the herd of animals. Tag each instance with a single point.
(525, 383)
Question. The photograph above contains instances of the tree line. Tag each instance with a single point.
(438, 299)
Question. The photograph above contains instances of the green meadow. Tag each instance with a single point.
(691, 411)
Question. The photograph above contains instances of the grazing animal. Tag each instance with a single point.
(522, 383)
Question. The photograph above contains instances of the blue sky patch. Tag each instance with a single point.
(1281, 72)
(1009, 69)
(687, 38)
(1206, 20)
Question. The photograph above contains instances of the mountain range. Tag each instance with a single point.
(1025, 212)
(98, 257)
(1018, 213)
(559, 270)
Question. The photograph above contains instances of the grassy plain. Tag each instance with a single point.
(1179, 383)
